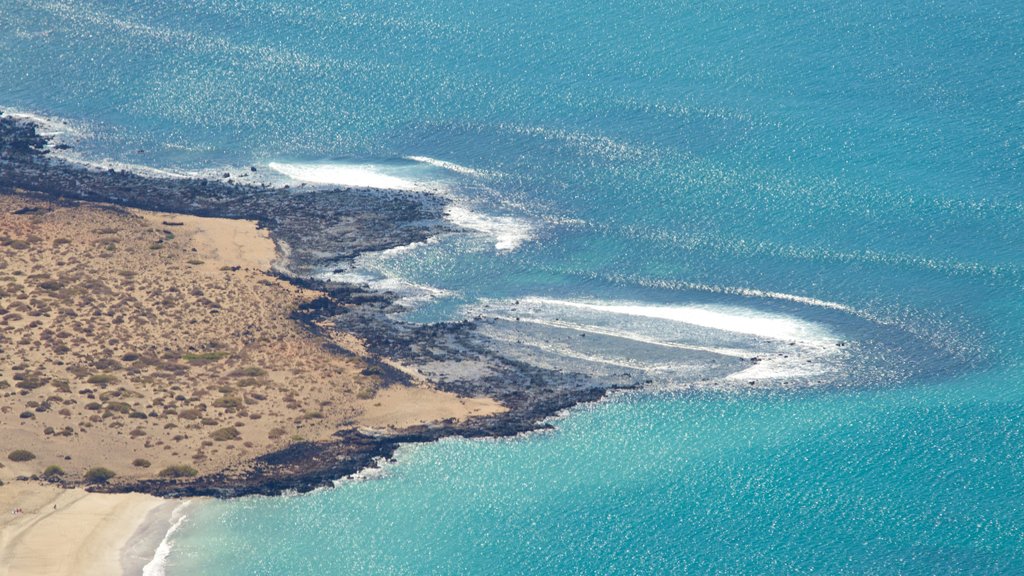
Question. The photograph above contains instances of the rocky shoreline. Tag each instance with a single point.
(318, 229)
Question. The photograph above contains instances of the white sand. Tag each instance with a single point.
(83, 536)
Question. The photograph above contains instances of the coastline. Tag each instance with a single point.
(70, 531)
(146, 549)
(352, 321)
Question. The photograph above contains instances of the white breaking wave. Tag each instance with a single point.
(353, 175)
(729, 319)
(508, 232)
(450, 166)
(158, 565)
(733, 290)
(627, 335)
(665, 337)
(410, 293)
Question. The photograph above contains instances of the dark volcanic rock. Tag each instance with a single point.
(320, 229)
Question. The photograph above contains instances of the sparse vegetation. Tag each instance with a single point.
(21, 456)
(229, 402)
(205, 356)
(99, 475)
(120, 407)
(53, 471)
(189, 414)
(248, 372)
(51, 285)
(225, 434)
(178, 471)
(104, 339)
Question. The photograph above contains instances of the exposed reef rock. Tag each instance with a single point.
(319, 229)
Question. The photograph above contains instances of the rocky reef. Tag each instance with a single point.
(319, 229)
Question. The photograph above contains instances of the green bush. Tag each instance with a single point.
(224, 434)
(99, 475)
(53, 471)
(21, 456)
(122, 407)
(141, 463)
(178, 471)
(229, 402)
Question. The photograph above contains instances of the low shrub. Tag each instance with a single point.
(249, 372)
(229, 402)
(122, 407)
(225, 434)
(30, 384)
(178, 471)
(53, 471)
(99, 475)
(206, 356)
(189, 414)
(21, 456)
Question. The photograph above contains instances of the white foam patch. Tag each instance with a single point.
(508, 232)
(158, 565)
(729, 319)
(409, 293)
(450, 166)
(662, 339)
(352, 175)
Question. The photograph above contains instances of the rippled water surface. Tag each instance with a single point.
(771, 177)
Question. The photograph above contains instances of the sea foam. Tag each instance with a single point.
(671, 343)
(354, 175)
(450, 166)
(508, 232)
(730, 319)
(158, 565)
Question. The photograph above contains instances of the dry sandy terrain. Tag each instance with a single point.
(136, 340)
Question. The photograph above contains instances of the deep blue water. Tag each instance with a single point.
(854, 170)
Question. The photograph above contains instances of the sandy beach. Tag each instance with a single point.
(142, 341)
(68, 532)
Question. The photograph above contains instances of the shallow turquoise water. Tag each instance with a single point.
(753, 155)
(917, 480)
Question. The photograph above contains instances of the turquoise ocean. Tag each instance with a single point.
(845, 175)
